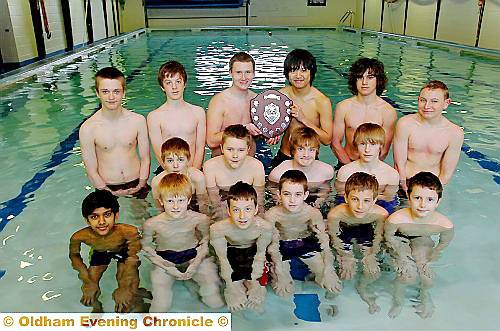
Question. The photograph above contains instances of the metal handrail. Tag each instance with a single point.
(347, 15)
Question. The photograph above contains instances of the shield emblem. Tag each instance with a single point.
(270, 112)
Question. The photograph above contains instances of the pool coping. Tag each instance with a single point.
(48, 65)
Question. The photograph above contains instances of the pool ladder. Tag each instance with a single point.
(347, 15)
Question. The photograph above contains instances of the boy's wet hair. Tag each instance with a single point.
(109, 73)
(361, 181)
(297, 58)
(169, 69)
(303, 137)
(99, 199)
(293, 177)
(242, 191)
(241, 57)
(369, 133)
(426, 179)
(176, 146)
(237, 131)
(174, 184)
(374, 67)
(437, 85)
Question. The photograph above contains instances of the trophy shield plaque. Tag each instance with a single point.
(270, 112)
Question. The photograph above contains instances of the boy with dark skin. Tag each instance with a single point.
(108, 240)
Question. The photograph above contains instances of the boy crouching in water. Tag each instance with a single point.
(176, 242)
(240, 242)
(300, 233)
(108, 240)
(408, 233)
(359, 222)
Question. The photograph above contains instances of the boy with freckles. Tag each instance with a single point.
(232, 166)
(358, 223)
(299, 233)
(240, 242)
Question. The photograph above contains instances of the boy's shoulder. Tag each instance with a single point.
(194, 216)
(379, 211)
(339, 211)
(323, 167)
(278, 171)
(125, 228)
(195, 174)
(443, 221)
(347, 170)
(156, 179)
(82, 233)
(400, 216)
(263, 224)
(213, 162)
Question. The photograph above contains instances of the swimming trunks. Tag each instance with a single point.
(390, 206)
(98, 258)
(178, 257)
(141, 194)
(158, 170)
(280, 157)
(362, 234)
(303, 247)
(241, 260)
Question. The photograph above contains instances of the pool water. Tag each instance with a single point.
(44, 182)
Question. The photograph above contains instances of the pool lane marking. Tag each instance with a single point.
(15, 206)
(483, 160)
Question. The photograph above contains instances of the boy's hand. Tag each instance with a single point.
(123, 298)
(236, 298)
(274, 140)
(370, 266)
(91, 292)
(330, 281)
(252, 129)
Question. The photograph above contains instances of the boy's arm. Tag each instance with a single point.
(379, 233)
(445, 238)
(259, 184)
(201, 130)
(76, 258)
(129, 276)
(202, 230)
(89, 156)
(144, 155)
(338, 135)
(333, 223)
(262, 243)
(154, 130)
(201, 193)
(450, 158)
(219, 243)
(148, 247)
(400, 150)
(318, 227)
(215, 118)
(390, 118)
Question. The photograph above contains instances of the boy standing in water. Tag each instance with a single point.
(175, 155)
(299, 233)
(240, 242)
(311, 108)
(369, 142)
(176, 242)
(358, 222)
(427, 141)
(108, 240)
(109, 139)
(165, 123)
(234, 165)
(408, 233)
(367, 81)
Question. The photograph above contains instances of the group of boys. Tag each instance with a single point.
(222, 205)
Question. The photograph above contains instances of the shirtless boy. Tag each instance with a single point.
(234, 165)
(108, 240)
(408, 233)
(369, 142)
(304, 147)
(176, 242)
(359, 222)
(175, 155)
(232, 105)
(366, 82)
(299, 233)
(109, 139)
(311, 108)
(427, 141)
(165, 123)
(240, 242)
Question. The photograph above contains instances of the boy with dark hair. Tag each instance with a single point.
(240, 242)
(175, 155)
(358, 222)
(108, 240)
(367, 81)
(428, 141)
(299, 233)
(369, 140)
(163, 123)
(234, 165)
(176, 242)
(408, 234)
(310, 108)
(110, 137)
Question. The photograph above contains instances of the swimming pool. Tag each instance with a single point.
(43, 180)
